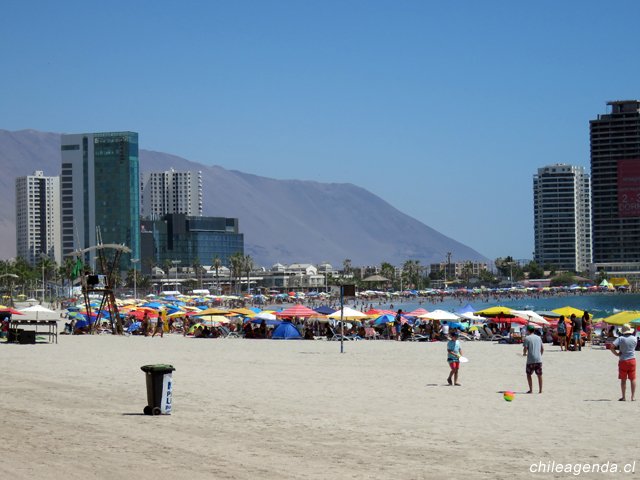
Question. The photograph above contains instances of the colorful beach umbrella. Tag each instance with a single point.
(621, 318)
(297, 311)
(568, 311)
(494, 311)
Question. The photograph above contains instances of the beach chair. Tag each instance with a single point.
(371, 334)
(485, 333)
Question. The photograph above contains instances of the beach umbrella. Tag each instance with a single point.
(213, 311)
(621, 318)
(531, 316)
(382, 319)
(440, 315)
(567, 311)
(508, 319)
(324, 310)
(241, 311)
(258, 321)
(37, 309)
(213, 318)
(297, 311)
(417, 312)
(12, 311)
(474, 318)
(494, 311)
(547, 314)
(264, 316)
(347, 313)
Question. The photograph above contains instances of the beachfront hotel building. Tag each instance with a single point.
(562, 217)
(615, 180)
(183, 240)
(38, 217)
(100, 200)
(163, 193)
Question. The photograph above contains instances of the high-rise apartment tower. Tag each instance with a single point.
(164, 193)
(38, 217)
(562, 217)
(615, 183)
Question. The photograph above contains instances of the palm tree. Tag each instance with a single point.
(166, 265)
(236, 261)
(197, 269)
(411, 273)
(248, 267)
(216, 264)
(346, 264)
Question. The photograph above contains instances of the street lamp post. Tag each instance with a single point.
(176, 263)
(135, 277)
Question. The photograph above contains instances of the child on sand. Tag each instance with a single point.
(453, 358)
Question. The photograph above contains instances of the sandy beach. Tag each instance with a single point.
(264, 409)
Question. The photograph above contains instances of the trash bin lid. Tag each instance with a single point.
(158, 368)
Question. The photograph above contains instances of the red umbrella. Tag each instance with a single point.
(298, 311)
(417, 312)
(518, 320)
(12, 311)
(139, 314)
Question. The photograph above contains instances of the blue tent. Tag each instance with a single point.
(286, 331)
(468, 308)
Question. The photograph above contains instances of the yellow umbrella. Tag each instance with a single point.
(213, 311)
(212, 318)
(242, 311)
(568, 311)
(621, 318)
(494, 312)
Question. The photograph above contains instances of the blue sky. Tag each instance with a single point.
(443, 109)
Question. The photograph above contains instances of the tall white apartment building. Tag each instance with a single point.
(562, 217)
(162, 193)
(38, 217)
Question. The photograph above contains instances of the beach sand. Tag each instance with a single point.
(263, 409)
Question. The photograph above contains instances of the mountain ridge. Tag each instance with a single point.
(283, 221)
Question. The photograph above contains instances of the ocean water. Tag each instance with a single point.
(599, 305)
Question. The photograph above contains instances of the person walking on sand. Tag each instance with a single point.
(624, 347)
(160, 325)
(397, 324)
(533, 349)
(453, 358)
(562, 333)
(576, 325)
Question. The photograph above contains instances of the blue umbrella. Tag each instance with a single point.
(324, 310)
(382, 319)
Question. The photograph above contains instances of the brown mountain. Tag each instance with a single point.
(283, 221)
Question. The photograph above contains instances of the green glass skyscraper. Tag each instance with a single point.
(100, 192)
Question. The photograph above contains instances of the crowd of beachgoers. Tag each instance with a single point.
(317, 315)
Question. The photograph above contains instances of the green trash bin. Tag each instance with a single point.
(159, 389)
